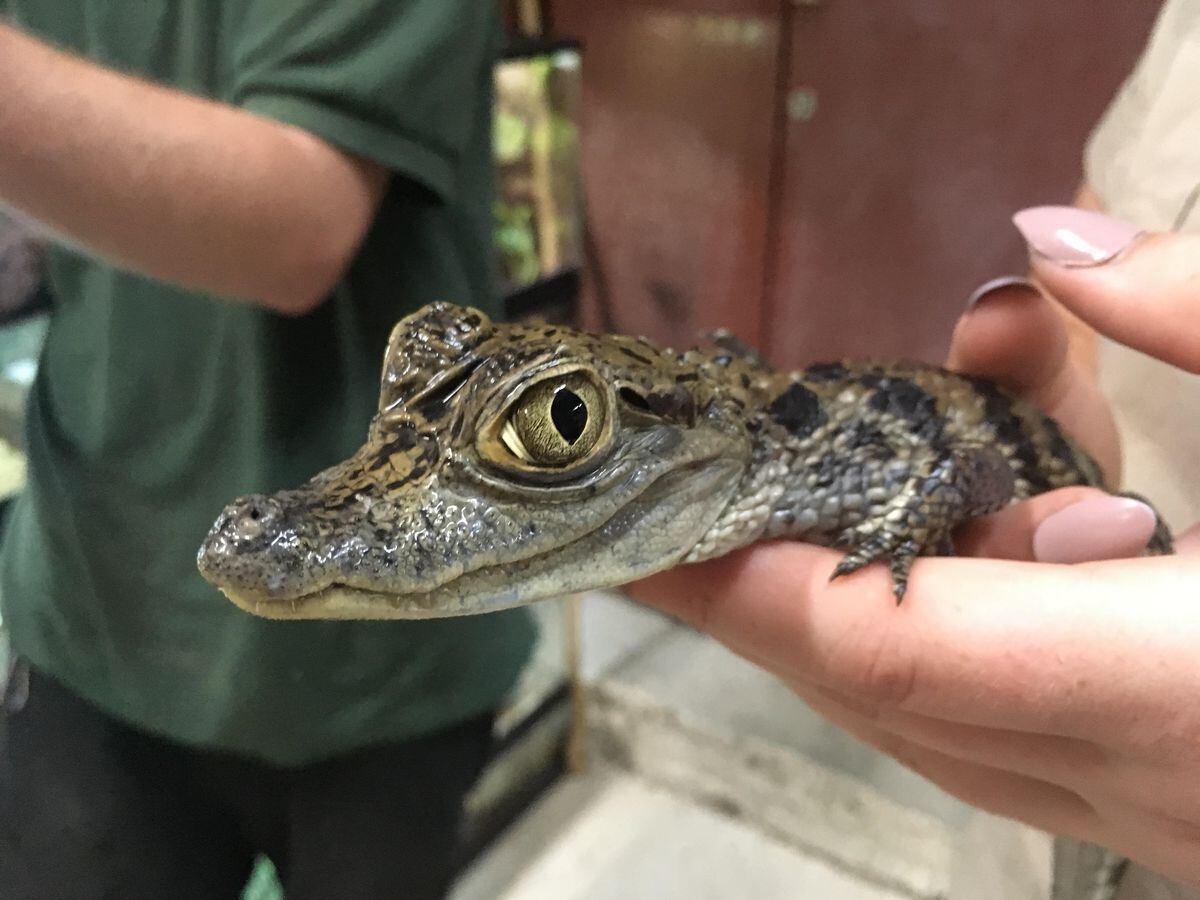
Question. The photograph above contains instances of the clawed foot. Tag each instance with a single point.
(967, 481)
(898, 552)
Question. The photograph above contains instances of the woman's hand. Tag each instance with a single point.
(1061, 695)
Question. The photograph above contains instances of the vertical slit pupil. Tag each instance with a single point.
(569, 414)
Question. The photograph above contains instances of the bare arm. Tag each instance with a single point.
(177, 187)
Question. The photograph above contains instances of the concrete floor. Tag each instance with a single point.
(609, 835)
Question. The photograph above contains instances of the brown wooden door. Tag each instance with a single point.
(916, 130)
(678, 107)
(828, 177)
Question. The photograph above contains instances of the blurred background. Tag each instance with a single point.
(826, 178)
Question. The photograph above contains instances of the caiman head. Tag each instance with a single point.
(506, 464)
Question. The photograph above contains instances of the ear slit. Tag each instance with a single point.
(634, 399)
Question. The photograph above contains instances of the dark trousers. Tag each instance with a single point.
(92, 808)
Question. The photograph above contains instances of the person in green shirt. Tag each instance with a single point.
(249, 194)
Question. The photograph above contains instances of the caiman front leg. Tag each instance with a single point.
(941, 492)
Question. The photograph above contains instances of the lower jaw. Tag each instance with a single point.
(336, 602)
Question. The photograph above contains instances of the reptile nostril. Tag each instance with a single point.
(248, 518)
(248, 528)
(254, 507)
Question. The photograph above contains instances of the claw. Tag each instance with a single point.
(901, 564)
(942, 491)
(857, 559)
(899, 559)
(847, 567)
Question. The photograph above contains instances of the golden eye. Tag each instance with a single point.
(556, 422)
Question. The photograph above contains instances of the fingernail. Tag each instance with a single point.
(1095, 529)
(1074, 237)
(996, 285)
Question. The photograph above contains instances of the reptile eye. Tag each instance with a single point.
(554, 427)
(556, 422)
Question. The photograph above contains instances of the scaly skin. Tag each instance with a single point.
(482, 486)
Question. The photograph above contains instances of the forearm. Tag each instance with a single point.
(175, 186)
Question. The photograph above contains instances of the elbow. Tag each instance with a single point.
(318, 237)
(295, 300)
(306, 276)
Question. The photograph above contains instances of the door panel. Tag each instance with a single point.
(921, 127)
(678, 99)
(828, 178)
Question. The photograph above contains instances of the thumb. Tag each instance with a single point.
(1140, 289)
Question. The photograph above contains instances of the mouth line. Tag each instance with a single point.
(344, 601)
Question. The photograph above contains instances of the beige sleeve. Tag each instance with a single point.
(1143, 159)
(1143, 162)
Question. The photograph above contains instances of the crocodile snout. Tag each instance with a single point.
(247, 523)
(248, 528)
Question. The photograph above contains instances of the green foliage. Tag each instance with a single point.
(516, 241)
(511, 138)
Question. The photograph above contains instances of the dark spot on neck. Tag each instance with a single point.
(902, 399)
(798, 410)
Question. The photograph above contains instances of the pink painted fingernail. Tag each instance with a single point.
(1074, 237)
(1095, 529)
(1009, 284)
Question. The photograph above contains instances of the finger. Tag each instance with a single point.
(1098, 528)
(1085, 767)
(1070, 525)
(1163, 841)
(1143, 291)
(1013, 335)
(1032, 779)
(1065, 650)
(707, 595)
(1048, 806)
(1068, 762)
(1114, 786)
(1016, 337)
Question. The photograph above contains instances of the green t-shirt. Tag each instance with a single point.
(154, 406)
